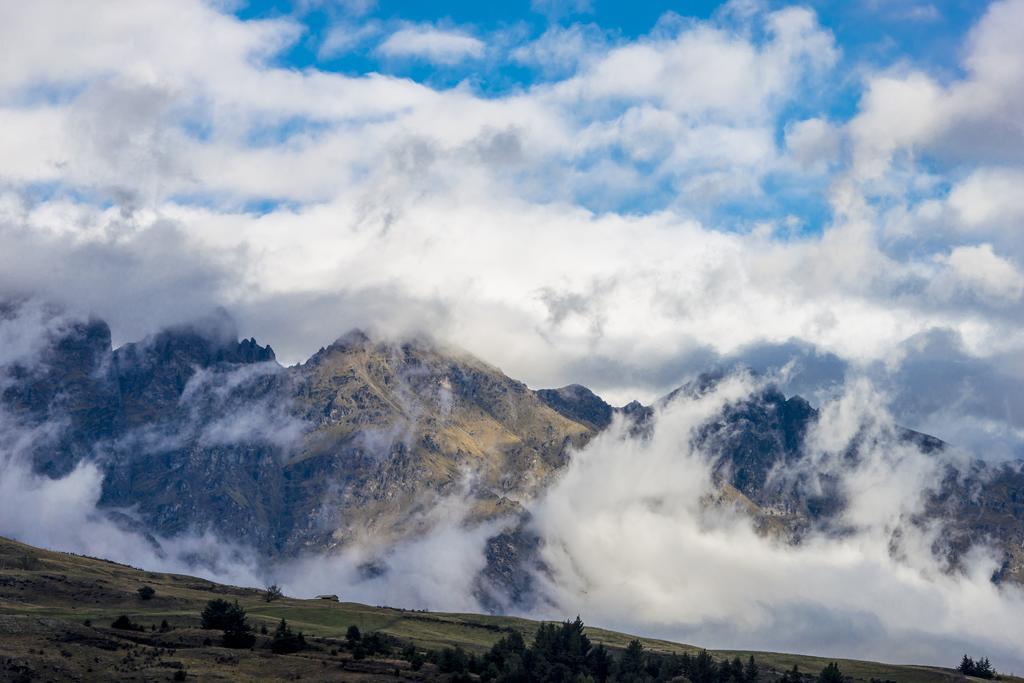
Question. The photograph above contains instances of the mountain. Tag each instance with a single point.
(196, 430)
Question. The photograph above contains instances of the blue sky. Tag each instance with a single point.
(869, 35)
(926, 33)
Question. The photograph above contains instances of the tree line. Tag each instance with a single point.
(559, 653)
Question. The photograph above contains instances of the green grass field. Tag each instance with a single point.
(72, 589)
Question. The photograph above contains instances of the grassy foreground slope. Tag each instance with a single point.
(56, 610)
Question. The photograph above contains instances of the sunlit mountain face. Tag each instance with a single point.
(700, 320)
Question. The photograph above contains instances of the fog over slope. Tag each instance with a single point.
(635, 535)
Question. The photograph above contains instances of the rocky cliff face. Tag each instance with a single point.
(196, 430)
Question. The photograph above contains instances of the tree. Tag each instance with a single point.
(215, 615)
(735, 670)
(703, 668)
(831, 674)
(238, 634)
(123, 623)
(632, 662)
(750, 671)
(980, 669)
(983, 669)
(352, 635)
(272, 593)
(286, 641)
(600, 663)
(230, 618)
(792, 676)
(146, 593)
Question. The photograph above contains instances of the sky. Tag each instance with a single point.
(608, 193)
(617, 194)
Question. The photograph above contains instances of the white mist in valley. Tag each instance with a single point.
(637, 539)
(635, 535)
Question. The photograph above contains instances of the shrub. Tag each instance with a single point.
(353, 635)
(831, 674)
(230, 618)
(123, 623)
(272, 593)
(286, 641)
(146, 593)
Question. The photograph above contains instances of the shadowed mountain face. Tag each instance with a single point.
(195, 431)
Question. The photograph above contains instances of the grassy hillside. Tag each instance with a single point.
(56, 610)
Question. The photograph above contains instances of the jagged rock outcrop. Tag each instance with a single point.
(196, 430)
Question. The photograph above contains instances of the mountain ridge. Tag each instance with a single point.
(196, 429)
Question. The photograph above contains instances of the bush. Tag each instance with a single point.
(353, 635)
(146, 593)
(831, 674)
(285, 641)
(272, 593)
(180, 675)
(123, 623)
(230, 618)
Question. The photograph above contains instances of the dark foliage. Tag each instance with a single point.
(831, 674)
(146, 593)
(979, 669)
(791, 676)
(564, 653)
(272, 593)
(125, 624)
(286, 641)
(229, 618)
(353, 635)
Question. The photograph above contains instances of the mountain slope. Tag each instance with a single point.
(56, 608)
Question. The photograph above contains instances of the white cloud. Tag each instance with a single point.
(343, 38)
(433, 44)
(990, 201)
(812, 142)
(561, 50)
(980, 270)
(972, 118)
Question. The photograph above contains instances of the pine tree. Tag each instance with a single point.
(831, 674)
(750, 672)
(632, 661)
(285, 641)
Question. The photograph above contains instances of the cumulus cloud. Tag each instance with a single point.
(428, 42)
(979, 270)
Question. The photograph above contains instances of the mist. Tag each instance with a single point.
(636, 534)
